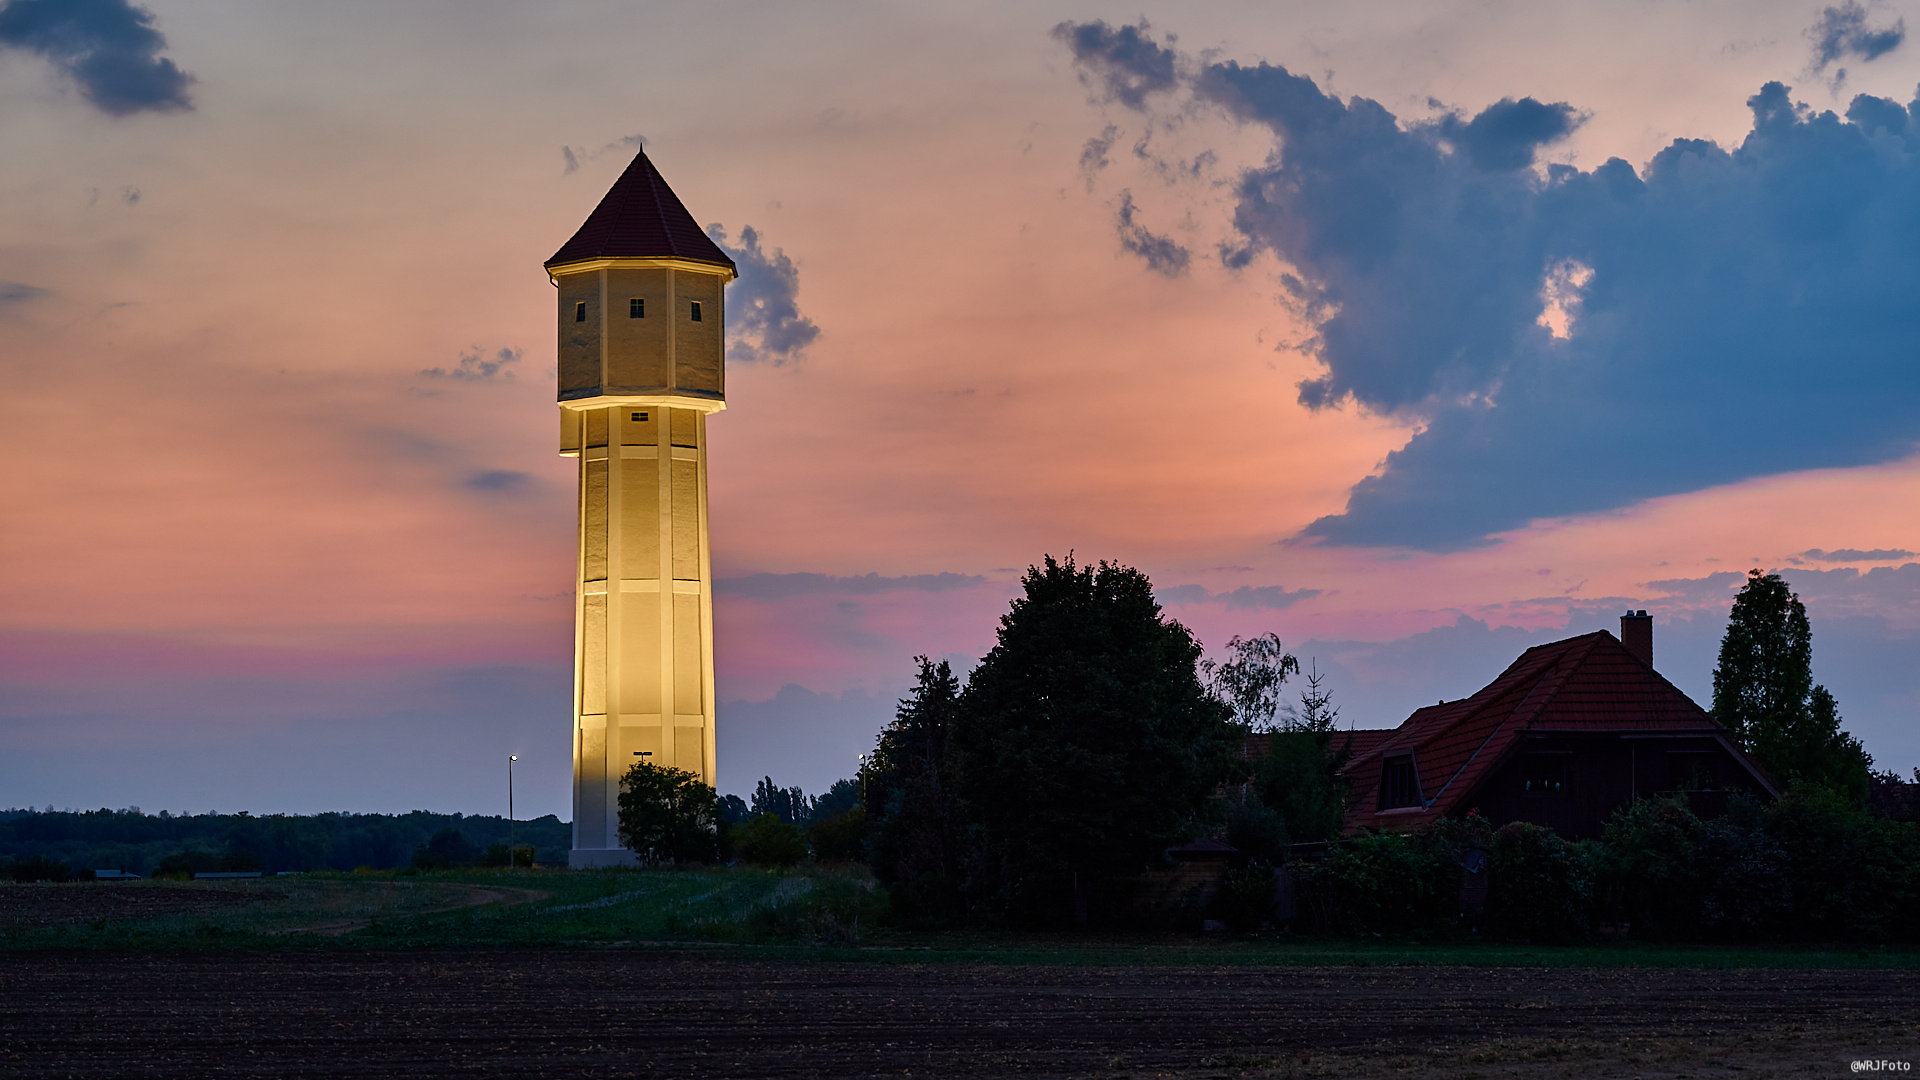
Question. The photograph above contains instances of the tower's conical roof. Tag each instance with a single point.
(640, 217)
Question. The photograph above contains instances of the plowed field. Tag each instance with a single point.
(715, 1012)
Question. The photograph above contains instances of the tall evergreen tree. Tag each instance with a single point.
(915, 840)
(1763, 691)
(1084, 745)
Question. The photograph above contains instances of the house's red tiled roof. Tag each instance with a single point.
(1358, 741)
(1586, 683)
(1355, 741)
(640, 217)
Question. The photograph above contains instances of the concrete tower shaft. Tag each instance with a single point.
(641, 295)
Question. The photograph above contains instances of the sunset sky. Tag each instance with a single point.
(1417, 334)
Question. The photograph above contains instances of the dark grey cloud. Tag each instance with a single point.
(504, 481)
(476, 366)
(1726, 313)
(1880, 589)
(1856, 554)
(1163, 255)
(1715, 586)
(1093, 156)
(14, 292)
(109, 48)
(1122, 64)
(783, 586)
(764, 323)
(1506, 134)
(1842, 31)
(1244, 598)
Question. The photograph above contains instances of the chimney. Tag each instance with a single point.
(1636, 633)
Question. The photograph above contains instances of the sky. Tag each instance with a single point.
(1415, 334)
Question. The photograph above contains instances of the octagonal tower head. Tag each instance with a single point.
(642, 298)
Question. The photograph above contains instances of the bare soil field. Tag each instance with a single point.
(31, 906)
(618, 1012)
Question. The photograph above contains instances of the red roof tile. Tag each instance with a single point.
(640, 217)
(1586, 683)
(1355, 741)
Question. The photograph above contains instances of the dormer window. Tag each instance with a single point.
(1399, 783)
(696, 311)
(580, 311)
(637, 308)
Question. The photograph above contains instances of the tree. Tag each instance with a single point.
(1299, 778)
(1249, 681)
(914, 840)
(1317, 711)
(447, 849)
(839, 829)
(1765, 673)
(768, 841)
(733, 810)
(1763, 691)
(790, 805)
(843, 796)
(1084, 745)
(668, 815)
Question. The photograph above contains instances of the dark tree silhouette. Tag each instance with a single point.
(1084, 745)
(668, 815)
(914, 842)
(1763, 691)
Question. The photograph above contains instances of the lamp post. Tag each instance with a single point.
(511, 758)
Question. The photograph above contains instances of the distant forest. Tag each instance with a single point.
(136, 842)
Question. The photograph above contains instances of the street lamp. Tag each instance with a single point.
(511, 758)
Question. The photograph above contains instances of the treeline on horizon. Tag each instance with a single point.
(139, 843)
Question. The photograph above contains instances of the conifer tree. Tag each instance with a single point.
(1763, 691)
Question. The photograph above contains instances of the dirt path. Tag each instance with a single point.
(470, 896)
(658, 1012)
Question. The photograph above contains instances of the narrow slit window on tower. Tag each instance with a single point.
(639, 418)
(637, 308)
(696, 311)
(580, 311)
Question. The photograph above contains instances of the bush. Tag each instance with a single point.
(1247, 895)
(448, 848)
(185, 864)
(40, 868)
(1649, 872)
(840, 838)
(768, 841)
(1299, 779)
(1389, 882)
(1541, 887)
(1853, 874)
(1749, 887)
(1256, 830)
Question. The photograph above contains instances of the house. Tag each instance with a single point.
(1571, 732)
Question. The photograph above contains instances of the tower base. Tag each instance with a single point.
(600, 858)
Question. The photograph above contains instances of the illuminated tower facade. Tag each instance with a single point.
(642, 334)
